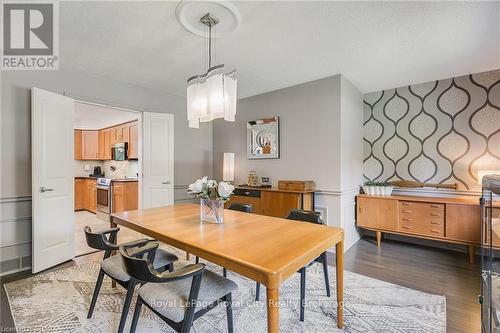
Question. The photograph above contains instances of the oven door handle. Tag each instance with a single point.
(107, 188)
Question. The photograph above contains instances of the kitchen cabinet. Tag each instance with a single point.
(86, 145)
(124, 196)
(105, 144)
(133, 141)
(85, 194)
(80, 193)
(97, 145)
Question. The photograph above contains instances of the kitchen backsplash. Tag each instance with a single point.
(124, 169)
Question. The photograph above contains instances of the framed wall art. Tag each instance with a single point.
(263, 138)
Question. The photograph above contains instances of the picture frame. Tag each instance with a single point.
(263, 139)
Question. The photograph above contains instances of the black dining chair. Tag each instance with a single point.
(312, 217)
(180, 297)
(245, 208)
(112, 266)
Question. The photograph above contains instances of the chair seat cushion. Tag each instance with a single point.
(170, 299)
(114, 268)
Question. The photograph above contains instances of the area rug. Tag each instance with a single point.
(58, 302)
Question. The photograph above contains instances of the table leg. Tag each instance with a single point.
(339, 254)
(113, 225)
(273, 310)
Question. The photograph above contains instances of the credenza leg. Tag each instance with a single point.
(472, 254)
(379, 237)
(188, 256)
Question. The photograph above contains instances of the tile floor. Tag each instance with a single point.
(85, 218)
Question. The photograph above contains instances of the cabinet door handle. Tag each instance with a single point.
(45, 189)
(247, 193)
(435, 231)
(406, 219)
(166, 183)
(435, 206)
(406, 204)
(435, 223)
(406, 227)
(407, 211)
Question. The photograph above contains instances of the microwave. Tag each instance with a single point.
(119, 151)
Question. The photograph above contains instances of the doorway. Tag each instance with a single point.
(107, 164)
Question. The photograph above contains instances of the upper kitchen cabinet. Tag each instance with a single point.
(133, 140)
(121, 133)
(86, 145)
(105, 144)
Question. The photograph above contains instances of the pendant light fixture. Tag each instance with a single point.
(211, 95)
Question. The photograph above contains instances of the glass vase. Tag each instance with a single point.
(212, 210)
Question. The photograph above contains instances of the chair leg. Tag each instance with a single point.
(229, 310)
(224, 272)
(197, 260)
(325, 273)
(257, 291)
(96, 293)
(126, 305)
(302, 292)
(137, 314)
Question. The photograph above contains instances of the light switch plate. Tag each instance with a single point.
(86, 167)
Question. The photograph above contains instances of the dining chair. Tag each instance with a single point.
(245, 208)
(112, 266)
(180, 297)
(312, 217)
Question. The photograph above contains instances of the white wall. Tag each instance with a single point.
(193, 147)
(321, 139)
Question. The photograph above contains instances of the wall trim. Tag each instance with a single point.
(15, 271)
(436, 192)
(15, 244)
(337, 192)
(15, 219)
(15, 199)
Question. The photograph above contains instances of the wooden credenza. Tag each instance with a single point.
(273, 201)
(452, 220)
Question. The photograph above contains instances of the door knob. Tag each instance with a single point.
(166, 183)
(44, 189)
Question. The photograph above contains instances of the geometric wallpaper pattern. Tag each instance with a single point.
(439, 132)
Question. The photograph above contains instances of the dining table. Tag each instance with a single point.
(262, 248)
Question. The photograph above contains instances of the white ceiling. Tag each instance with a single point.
(376, 45)
(93, 117)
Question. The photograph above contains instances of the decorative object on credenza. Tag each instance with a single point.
(265, 182)
(263, 138)
(253, 179)
(411, 183)
(228, 167)
(482, 173)
(296, 185)
(377, 188)
(212, 196)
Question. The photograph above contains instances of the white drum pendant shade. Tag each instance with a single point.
(211, 98)
(211, 95)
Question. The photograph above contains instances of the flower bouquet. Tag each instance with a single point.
(212, 196)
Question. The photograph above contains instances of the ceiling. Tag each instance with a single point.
(94, 117)
(376, 45)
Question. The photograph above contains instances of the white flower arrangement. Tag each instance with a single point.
(209, 189)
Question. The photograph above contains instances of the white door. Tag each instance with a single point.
(52, 179)
(157, 159)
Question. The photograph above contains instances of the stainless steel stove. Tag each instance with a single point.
(103, 188)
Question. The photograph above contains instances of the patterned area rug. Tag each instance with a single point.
(58, 302)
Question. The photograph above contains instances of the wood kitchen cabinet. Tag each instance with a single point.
(86, 145)
(97, 145)
(80, 193)
(85, 194)
(124, 196)
(451, 220)
(133, 140)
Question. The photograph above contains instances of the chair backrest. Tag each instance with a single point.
(305, 216)
(98, 240)
(245, 208)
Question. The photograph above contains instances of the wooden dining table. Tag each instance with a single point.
(265, 249)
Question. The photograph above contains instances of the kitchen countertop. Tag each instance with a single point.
(123, 180)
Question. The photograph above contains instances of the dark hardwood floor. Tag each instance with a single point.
(427, 269)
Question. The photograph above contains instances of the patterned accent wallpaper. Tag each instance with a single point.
(439, 132)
